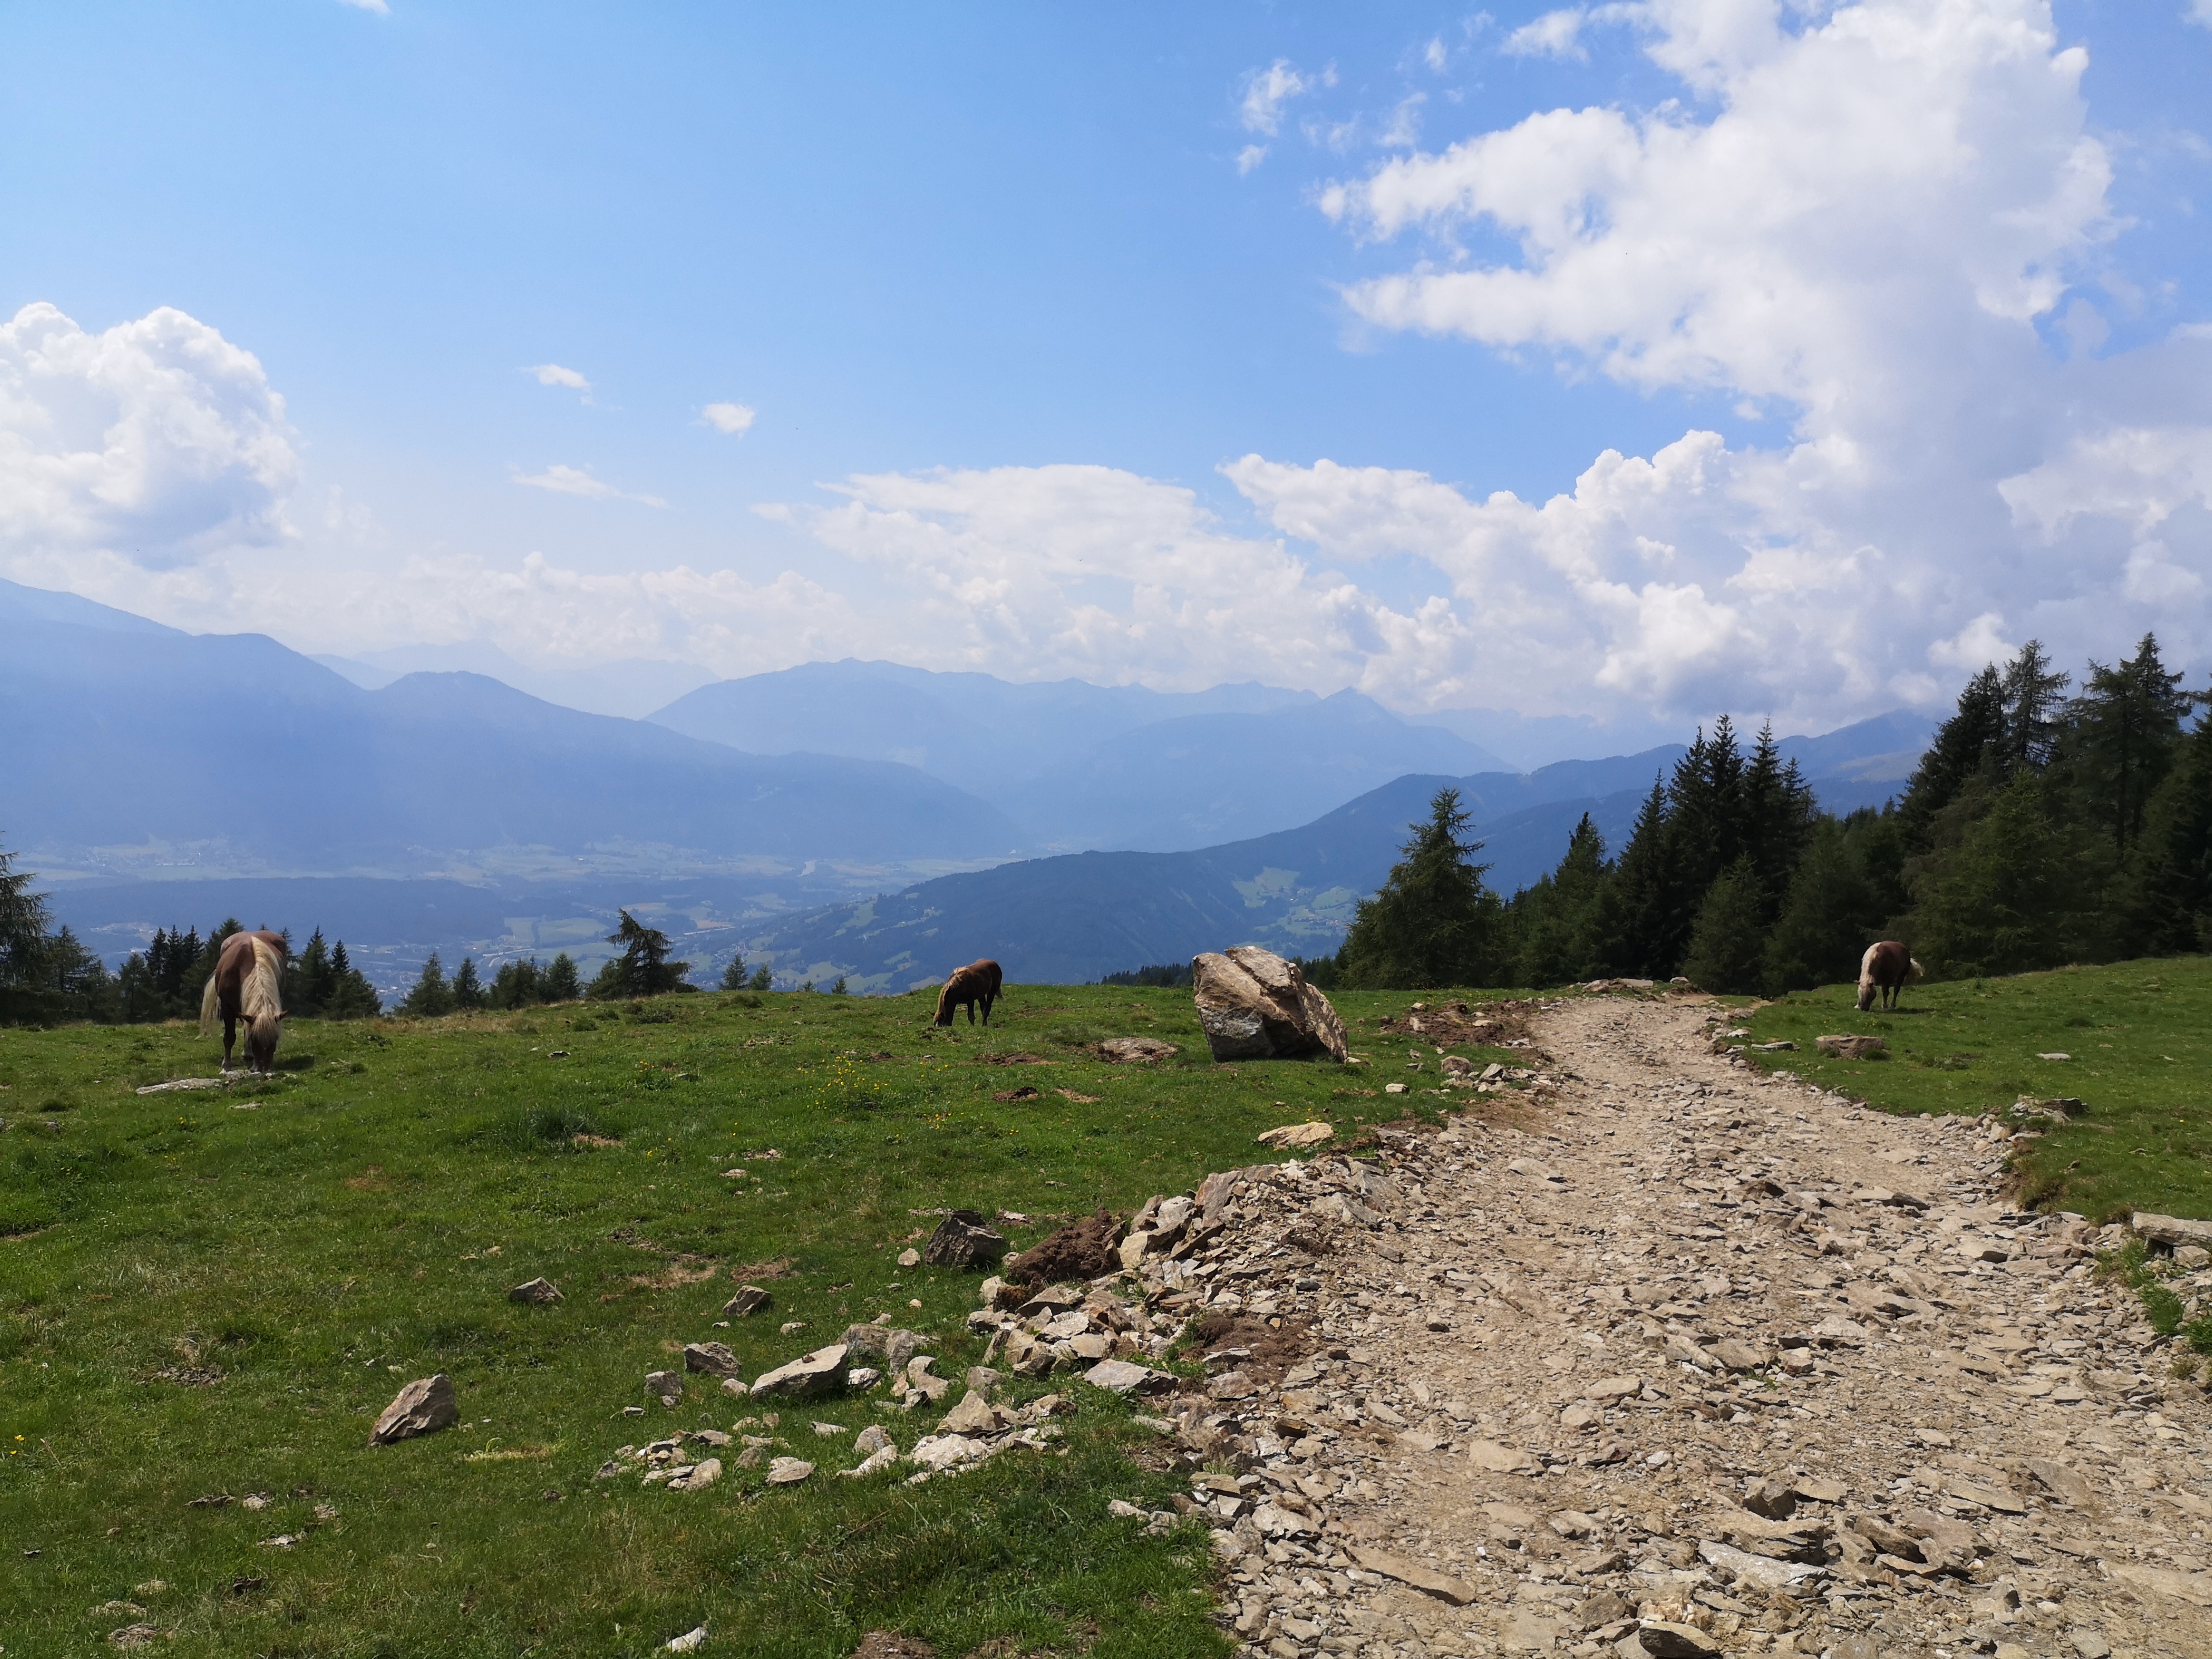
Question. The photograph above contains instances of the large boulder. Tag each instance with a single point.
(1254, 1006)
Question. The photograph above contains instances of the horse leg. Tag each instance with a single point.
(229, 1037)
(988, 1001)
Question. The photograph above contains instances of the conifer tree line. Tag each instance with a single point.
(2048, 822)
(643, 970)
(47, 975)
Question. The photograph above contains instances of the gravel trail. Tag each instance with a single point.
(1685, 1360)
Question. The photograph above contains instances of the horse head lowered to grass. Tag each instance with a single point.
(979, 982)
(246, 988)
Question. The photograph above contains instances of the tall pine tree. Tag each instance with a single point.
(1434, 922)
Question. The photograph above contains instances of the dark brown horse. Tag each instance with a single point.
(1883, 972)
(244, 988)
(979, 982)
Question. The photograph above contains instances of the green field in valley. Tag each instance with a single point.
(2137, 1038)
(214, 1292)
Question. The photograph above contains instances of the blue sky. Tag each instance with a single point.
(1006, 263)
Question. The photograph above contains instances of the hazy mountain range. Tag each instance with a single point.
(152, 776)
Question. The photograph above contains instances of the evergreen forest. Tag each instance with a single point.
(2049, 823)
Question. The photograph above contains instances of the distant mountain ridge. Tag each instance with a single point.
(1083, 766)
(120, 735)
(1073, 918)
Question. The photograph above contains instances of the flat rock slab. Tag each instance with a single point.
(1135, 1050)
(1120, 1376)
(2171, 1229)
(421, 1408)
(806, 1377)
(1457, 1591)
(788, 1471)
(1297, 1134)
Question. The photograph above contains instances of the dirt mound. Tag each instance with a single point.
(1274, 1349)
(883, 1644)
(1082, 1249)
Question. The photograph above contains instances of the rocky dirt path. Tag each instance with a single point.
(1691, 1361)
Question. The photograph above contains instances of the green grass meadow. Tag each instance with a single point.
(356, 1222)
(2139, 1038)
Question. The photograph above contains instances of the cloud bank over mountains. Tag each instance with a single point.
(1885, 231)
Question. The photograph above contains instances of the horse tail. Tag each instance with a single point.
(261, 994)
(1915, 971)
(210, 1003)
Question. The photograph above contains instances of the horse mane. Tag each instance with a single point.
(260, 996)
(944, 994)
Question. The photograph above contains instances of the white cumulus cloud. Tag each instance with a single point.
(733, 419)
(156, 441)
(1555, 34)
(562, 480)
(1267, 90)
(554, 374)
(1861, 222)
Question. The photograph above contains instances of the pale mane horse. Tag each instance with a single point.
(1885, 970)
(244, 988)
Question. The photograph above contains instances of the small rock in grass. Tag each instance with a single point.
(1297, 1134)
(1394, 1088)
(421, 1408)
(964, 1239)
(666, 1387)
(703, 1473)
(750, 1299)
(791, 1327)
(909, 1258)
(538, 1292)
(824, 1430)
(713, 1357)
(872, 1439)
(789, 1472)
(972, 1416)
(881, 1459)
(686, 1642)
(863, 1377)
(133, 1636)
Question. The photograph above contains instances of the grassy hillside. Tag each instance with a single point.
(2138, 1038)
(215, 1292)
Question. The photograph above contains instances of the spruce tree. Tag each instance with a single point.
(517, 984)
(1635, 919)
(1434, 922)
(643, 969)
(2124, 730)
(761, 978)
(2167, 900)
(352, 997)
(1726, 941)
(2031, 694)
(735, 976)
(2019, 890)
(23, 922)
(1971, 744)
(467, 989)
(560, 984)
(431, 996)
(1556, 922)
(1827, 915)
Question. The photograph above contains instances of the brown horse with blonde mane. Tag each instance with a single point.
(244, 988)
(979, 982)
(1883, 972)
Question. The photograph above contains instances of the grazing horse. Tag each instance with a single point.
(244, 987)
(1885, 969)
(979, 982)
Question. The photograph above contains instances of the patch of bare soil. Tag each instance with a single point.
(883, 1644)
